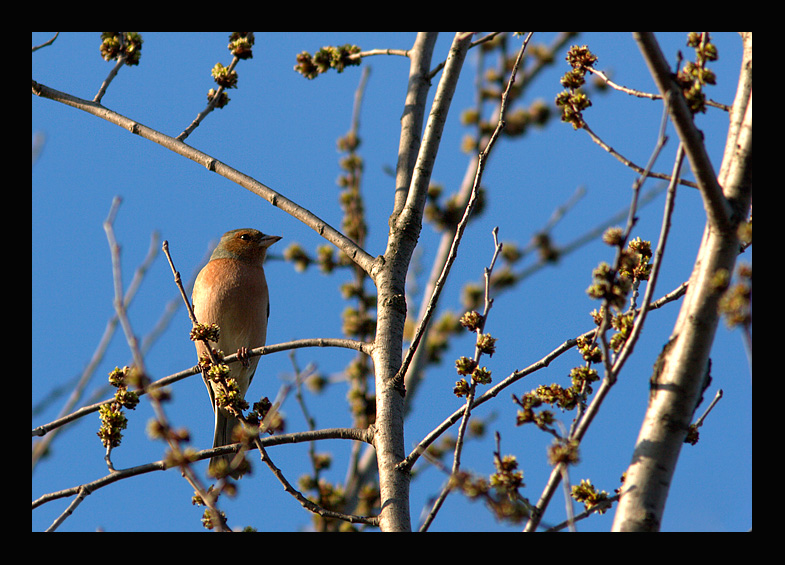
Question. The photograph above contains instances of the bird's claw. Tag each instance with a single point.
(242, 355)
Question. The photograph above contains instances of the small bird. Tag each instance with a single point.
(231, 291)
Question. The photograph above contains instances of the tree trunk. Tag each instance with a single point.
(681, 371)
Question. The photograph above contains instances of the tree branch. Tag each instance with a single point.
(175, 377)
(368, 263)
(717, 207)
(83, 490)
(413, 116)
(461, 227)
(513, 378)
(416, 367)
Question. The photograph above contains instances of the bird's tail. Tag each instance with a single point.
(221, 465)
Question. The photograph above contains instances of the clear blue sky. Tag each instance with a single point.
(281, 129)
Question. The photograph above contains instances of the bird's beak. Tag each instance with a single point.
(268, 240)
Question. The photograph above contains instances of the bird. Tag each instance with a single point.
(231, 291)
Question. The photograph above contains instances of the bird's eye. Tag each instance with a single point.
(245, 236)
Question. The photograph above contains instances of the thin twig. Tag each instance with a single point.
(477, 352)
(281, 439)
(632, 219)
(456, 465)
(565, 480)
(83, 493)
(641, 94)
(171, 439)
(492, 392)
(83, 380)
(175, 377)
(580, 427)
(714, 401)
(651, 284)
(622, 159)
(210, 105)
(113, 73)
(45, 43)
(117, 277)
(179, 283)
(372, 52)
(310, 505)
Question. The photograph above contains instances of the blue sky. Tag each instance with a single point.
(281, 129)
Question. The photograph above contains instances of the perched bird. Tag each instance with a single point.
(231, 291)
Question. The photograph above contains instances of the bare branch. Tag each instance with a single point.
(282, 439)
(350, 248)
(412, 119)
(581, 426)
(456, 465)
(45, 43)
(514, 377)
(641, 94)
(211, 104)
(622, 159)
(175, 377)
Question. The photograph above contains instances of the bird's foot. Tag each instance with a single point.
(242, 355)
